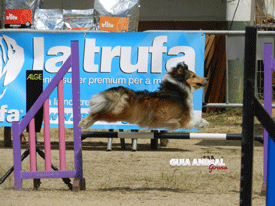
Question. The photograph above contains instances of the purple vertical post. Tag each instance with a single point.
(269, 143)
(16, 155)
(76, 109)
(267, 98)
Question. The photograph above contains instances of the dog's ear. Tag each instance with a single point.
(181, 68)
(180, 72)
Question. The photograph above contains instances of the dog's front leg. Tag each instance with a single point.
(202, 123)
(87, 121)
(197, 122)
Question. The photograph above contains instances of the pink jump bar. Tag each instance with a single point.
(47, 135)
(32, 145)
(61, 125)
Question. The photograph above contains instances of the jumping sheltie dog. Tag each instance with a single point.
(170, 107)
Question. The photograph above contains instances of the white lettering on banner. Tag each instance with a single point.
(157, 49)
(38, 53)
(142, 61)
(8, 115)
(187, 54)
(89, 56)
(107, 56)
(50, 65)
(188, 58)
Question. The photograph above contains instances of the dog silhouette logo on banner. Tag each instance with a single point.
(11, 62)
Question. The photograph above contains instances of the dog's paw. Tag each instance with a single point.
(81, 124)
(85, 123)
(202, 124)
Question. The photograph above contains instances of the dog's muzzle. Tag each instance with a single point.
(203, 84)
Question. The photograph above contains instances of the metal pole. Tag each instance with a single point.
(225, 105)
(252, 13)
(109, 144)
(248, 116)
(226, 77)
(207, 32)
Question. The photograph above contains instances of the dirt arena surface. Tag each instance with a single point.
(144, 177)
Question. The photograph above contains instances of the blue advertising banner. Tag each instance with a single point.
(134, 60)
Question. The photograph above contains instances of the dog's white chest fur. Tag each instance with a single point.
(195, 121)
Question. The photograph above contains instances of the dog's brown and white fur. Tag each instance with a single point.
(170, 107)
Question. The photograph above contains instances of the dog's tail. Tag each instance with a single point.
(109, 101)
(113, 100)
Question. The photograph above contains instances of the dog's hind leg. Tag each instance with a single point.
(87, 121)
(172, 124)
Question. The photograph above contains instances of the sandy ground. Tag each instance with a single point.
(144, 177)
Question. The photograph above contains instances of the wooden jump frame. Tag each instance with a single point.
(19, 127)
